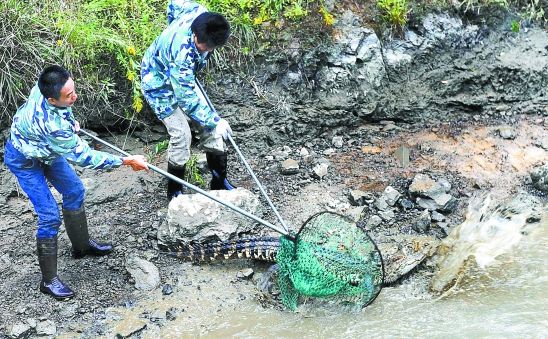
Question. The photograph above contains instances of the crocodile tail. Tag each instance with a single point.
(264, 249)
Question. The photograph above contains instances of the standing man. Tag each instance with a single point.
(168, 76)
(42, 139)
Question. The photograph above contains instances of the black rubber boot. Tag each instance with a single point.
(173, 187)
(76, 225)
(218, 165)
(47, 258)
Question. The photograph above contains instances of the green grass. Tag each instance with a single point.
(394, 11)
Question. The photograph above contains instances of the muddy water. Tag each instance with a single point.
(506, 297)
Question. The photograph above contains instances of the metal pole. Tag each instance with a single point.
(210, 104)
(194, 188)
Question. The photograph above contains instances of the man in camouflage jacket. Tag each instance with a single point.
(168, 76)
(42, 139)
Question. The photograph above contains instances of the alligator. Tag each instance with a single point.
(264, 249)
(401, 254)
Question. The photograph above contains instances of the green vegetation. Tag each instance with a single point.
(395, 11)
(102, 41)
(515, 26)
(192, 174)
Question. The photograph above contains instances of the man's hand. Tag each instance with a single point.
(223, 128)
(76, 126)
(137, 162)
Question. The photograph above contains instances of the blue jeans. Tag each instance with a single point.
(32, 175)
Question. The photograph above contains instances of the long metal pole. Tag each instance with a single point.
(210, 104)
(194, 188)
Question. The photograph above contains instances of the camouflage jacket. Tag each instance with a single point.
(168, 70)
(45, 132)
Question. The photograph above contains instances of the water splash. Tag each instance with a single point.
(491, 228)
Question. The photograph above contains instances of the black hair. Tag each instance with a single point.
(51, 80)
(211, 28)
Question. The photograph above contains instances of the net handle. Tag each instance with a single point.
(195, 188)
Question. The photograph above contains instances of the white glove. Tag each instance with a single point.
(223, 129)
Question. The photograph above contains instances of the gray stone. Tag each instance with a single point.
(406, 204)
(373, 222)
(145, 273)
(290, 166)
(422, 224)
(304, 152)
(539, 177)
(320, 170)
(445, 184)
(423, 185)
(357, 197)
(381, 203)
(19, 330)
(427, 203)
(387, 215)
(245, 274)
(32, 322)
(447, 202)
(194, 217)
(337, 141)
(167, 289)
(444, 226)
(436, 216)
(391, 195)
(444, 202)
(46, 328)
(507, 132)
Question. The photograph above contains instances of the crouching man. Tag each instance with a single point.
(42, 141)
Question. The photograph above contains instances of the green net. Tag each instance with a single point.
(331, 258)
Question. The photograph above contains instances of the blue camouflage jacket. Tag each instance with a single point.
(170, 64)
(45, 132)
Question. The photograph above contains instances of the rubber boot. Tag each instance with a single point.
(174, 188)
(47, 258)
(218, 165)
(76, 225)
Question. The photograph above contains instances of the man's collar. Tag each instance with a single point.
(62, 111)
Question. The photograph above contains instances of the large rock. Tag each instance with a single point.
(539, 176)
(425, 186)
(194, 217)
(431, 195)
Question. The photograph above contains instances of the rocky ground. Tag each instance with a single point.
(127, 208)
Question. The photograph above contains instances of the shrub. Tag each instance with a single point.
(394, 11)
